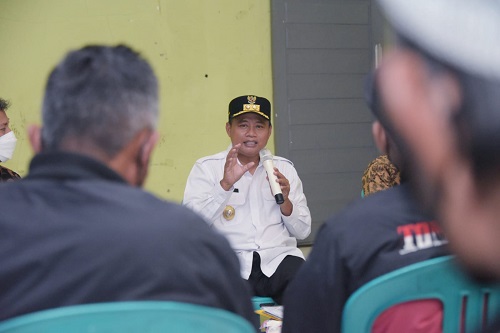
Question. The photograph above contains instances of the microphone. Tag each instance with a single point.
(267, 160)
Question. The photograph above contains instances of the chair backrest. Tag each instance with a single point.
(467, 305)
(129, 317)
(259, 301)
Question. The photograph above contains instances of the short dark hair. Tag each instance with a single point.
(100, 96)
(4, 104)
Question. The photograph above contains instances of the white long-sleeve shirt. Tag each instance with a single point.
(258, 225)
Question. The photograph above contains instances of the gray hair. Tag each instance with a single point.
(100, 97)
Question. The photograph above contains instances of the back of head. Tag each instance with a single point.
(391, 148)
(97, 99)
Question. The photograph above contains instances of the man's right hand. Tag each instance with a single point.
(232, 169)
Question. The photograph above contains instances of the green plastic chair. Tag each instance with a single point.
(129, 317)
(467, 305)
(258, 301)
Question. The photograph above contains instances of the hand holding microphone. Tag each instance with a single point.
(267, 160)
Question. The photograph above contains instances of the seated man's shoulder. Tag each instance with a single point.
(141, 209)
(212, 158)
(365, 212)
(7, 174)
(175, 214)
(169, 225)
(283, 160)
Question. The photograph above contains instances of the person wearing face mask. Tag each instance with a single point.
(7, 143)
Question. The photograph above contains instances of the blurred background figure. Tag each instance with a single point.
(380, 174)
(7, 143)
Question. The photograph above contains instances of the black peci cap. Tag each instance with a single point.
(250, 103)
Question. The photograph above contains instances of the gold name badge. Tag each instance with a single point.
(228, 213)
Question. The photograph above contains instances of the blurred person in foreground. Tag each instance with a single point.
(373, 236)
(8, 142)
(440, 87)
(80, 228)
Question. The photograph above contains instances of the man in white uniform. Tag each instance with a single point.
(231, 190)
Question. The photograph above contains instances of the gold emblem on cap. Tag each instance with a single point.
(228, 213)
(251, 99)
(251, 107)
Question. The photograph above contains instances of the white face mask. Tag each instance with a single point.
(7, 146)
